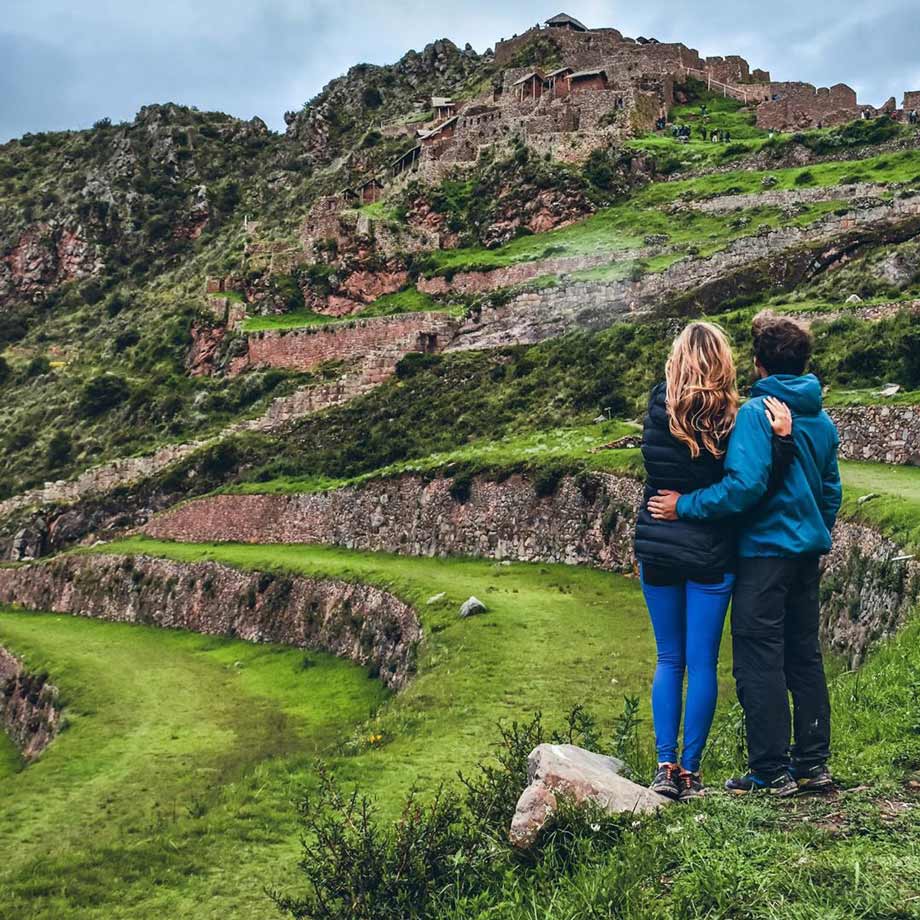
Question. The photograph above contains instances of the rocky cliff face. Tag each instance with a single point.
(120, 195)
(356, 621)
(28, 706)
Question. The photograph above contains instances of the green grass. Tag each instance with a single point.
(163, 724)
(170, 785)
(896, 508)
(570, 447)
(624, 225)
(295, 320)
(410, 300)
(473, 672)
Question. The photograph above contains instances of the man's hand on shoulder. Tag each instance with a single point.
(663, 506)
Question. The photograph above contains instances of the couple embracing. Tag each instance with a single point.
(740, 501)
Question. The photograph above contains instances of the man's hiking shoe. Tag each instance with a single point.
(667, 781)
(814, 779)
(691, 786)
(782, 785)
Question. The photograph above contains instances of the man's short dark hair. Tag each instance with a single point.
(781, 345)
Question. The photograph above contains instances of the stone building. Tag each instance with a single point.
(795, 106)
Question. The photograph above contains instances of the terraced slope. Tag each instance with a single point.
(170, 791)
(170, 785)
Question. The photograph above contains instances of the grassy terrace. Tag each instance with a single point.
(895, 509)
(625, 225)
(171, 784)
(170, 793)
(568, 447)
(232, 730)
(410, 300)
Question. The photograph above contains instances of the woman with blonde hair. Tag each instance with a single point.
(687, 567)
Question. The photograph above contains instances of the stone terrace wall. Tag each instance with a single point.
(535, 316)
(588, 520)
(356, 621)
(886, 434)
(28, 712)
(307, 348)
(869, 587)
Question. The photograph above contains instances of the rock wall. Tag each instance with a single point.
(586, 520)
(786, 256)
(28, 711)
(868, 589)
(886, 434)
(356, 621)
(797, 106)
(377, 338)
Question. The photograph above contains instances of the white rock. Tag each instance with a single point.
(569, 771)
(472, 606)
(435, 598)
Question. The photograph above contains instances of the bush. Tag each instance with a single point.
(453, 848)
(60, 448)
(371, 98)
(4, 370)
(37, 367)
(102, 393)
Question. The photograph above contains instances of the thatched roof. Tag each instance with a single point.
(563, 19)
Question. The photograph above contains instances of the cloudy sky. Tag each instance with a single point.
(67, 63)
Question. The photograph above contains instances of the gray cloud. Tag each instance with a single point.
(64, 65)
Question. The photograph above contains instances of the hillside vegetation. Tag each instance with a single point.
(144, 264)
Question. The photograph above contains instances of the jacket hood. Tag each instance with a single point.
(801, 393)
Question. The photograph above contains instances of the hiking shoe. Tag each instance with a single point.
(691, 786)
(813, 779)
(782, 785)
(666, 781)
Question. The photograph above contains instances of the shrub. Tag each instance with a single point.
(805, 177)
(4, 370)
(546, 481)
(102, 393)
(414, 363)
(37, 367)
(60, 448)
(371, 98)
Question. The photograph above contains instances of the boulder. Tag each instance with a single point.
(472, 606)
(565, 770)
(854, 298)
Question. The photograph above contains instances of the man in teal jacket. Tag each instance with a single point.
(775, 607)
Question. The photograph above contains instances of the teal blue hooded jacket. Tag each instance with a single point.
(798, 518)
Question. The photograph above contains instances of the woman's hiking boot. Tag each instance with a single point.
(813, 779)
(667, 781)
(783, 785)
(691, 786)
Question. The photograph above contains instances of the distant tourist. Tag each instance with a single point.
(727, 137)
(687, 567)
(776, 599)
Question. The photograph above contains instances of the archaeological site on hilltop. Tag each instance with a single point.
(324, 454)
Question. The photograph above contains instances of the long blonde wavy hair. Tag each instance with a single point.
(702, 388)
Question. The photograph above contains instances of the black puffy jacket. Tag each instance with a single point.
(692, 549)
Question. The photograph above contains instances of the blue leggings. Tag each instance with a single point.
(687, 620)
